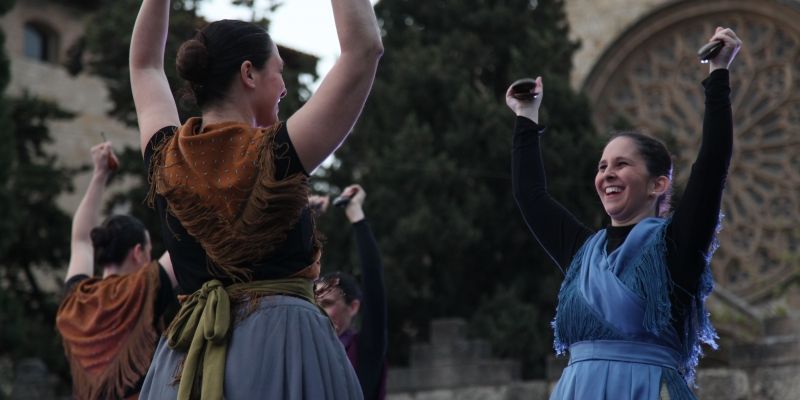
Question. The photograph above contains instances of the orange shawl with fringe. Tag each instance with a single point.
(220, 183)
(107, 327)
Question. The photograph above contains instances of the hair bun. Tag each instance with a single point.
(192, 61)
(100, 236)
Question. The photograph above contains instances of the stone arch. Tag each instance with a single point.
(649, 79)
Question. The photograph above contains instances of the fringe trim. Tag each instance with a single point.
(698, 329)
(131, 362)
(261, 226)
(574, 319)
(650, 279)
(676, 385)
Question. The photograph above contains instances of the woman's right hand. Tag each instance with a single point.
(104, 159)
(527, 109)
(731, 47)
(354, 210)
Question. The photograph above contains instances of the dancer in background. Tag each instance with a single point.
(343, 299)
(110, 325)
(631, 307)
(231, 189)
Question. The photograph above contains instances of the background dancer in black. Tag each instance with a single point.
(343, 298)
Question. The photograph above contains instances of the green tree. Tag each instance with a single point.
(433, 151)
(35, 231)
(108, 36)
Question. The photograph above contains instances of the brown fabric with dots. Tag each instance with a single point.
(108, 331)
(219, 182)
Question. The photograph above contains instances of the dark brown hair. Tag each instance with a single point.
(343, 281)
(113, 239)
(658, 162)
(210, 60)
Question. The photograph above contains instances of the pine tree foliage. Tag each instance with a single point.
(35, 230)
(432, 149)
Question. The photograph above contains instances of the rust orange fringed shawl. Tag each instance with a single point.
(107, 327)
(220, 184)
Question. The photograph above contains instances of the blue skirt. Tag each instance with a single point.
(286, 349)
(620, 370)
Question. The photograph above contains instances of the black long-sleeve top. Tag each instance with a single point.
(372, 338)
(694, 222)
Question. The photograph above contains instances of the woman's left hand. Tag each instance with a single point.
(731, 46)
(528, 109)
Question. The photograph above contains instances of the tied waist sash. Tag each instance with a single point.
(619, 350)
(201, 328)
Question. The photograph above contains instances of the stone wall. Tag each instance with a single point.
(597, 24)
(766, 368)
(67, 23)
(84, 95)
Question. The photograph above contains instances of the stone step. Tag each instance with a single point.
(481, 373)
(452, 352)
(781, 326)
(768, 351)
(722, 384)
(446, 330)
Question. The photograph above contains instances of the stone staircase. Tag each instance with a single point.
(767, 368)
(451, 360)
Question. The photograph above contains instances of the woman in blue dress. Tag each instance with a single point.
(631, 307)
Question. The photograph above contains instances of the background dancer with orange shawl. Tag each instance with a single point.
(110, 325)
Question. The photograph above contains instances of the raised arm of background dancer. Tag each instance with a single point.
(155, 106)
(556, 229)
(87, 216)
(695, 220)
(321, 125)
(372, 339)
(166, 262)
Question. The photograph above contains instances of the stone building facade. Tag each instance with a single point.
(636, 65)
(39, 34)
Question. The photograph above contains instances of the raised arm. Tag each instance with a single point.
(695, 219)
(555, 228)
(81, 259)
(322, 124)
(155, 106)
(372, 339)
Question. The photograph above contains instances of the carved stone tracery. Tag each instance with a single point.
(649, 80)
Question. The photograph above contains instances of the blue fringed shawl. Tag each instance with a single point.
(625, 295)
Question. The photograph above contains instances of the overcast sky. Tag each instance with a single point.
(305, 25)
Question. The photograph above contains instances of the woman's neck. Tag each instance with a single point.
(227, 112)
(117, 269)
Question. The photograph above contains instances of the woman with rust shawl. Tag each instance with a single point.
(110, 325)
(231, 189)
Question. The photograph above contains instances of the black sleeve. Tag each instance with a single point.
(71, 282)
(165, 296)
(156, 139)
(287, 161)
(695, 220)
(556, 229)
(372, 339)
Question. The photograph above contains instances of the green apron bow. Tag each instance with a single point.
(201, 329)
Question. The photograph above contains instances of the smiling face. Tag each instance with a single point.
(624, 184)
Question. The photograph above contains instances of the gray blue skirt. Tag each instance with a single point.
(285, 350)
(621, 370)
